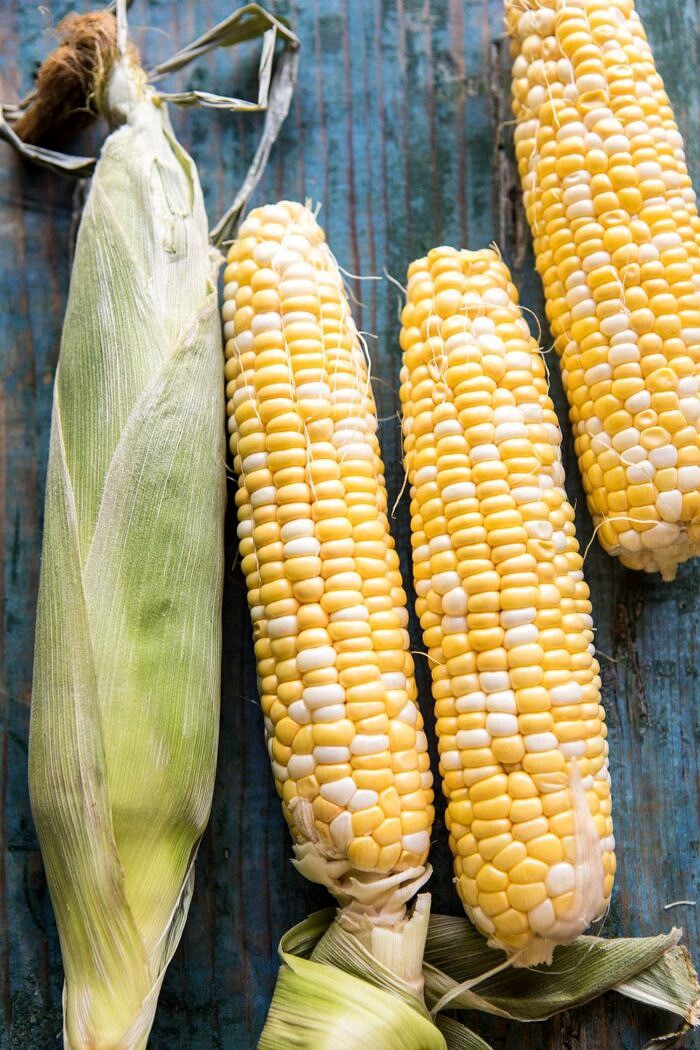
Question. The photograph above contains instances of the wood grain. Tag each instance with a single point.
(400, 129)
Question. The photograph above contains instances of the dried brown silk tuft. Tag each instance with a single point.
(69, 80)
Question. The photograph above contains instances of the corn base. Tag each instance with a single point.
(665, 560)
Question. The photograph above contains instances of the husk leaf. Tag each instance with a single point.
(460, 974)
(670, 984)
(458, 1037)
(389, 958)
(652, 970)
(127, 667)
(668, 1041)
(341, 997)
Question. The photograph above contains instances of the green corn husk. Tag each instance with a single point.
(463, 973)
(125, 704)
(322, 967)
(333, 992)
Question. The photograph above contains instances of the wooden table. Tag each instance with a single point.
(400, 128)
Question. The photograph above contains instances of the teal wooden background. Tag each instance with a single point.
(400, 129)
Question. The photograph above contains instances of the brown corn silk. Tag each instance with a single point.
(64, 96)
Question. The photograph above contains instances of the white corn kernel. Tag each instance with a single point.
(313, 659)
(366, 744)
(560, 879)
(363, 799)
(299, 712)
(339, 792)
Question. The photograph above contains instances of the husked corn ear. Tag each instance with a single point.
(505, 611)
(329, 615)
(617, 241)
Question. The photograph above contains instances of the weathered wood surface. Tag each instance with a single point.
(399, 129)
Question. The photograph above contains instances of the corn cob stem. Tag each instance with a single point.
(505, 612)
(344, 733)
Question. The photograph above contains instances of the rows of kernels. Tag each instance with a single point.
(502, 602)
(324, 587)
(617, 242)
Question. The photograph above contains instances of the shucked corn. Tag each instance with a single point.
(505, 611)
(344, 732)
(617, 240)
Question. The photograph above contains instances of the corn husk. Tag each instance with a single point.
(333, 992)
(462, 973)
(124, 716)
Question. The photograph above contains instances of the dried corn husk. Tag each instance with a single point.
(126, 684)
(463, 973)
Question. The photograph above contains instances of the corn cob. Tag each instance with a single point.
(505, 611)
(617, 242)
(343, 730)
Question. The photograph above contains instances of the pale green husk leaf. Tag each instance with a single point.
(460, 973)
(466, 975)
(459, 1037)
(670, 984)
(332, 993)
(127, 667)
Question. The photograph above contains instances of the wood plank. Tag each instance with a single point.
(400, 128)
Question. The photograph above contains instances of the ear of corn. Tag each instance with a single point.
(505, 612)
(126, 682)
(343, 729)
(617, 242)
(328, 608)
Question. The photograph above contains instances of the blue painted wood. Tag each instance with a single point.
(400, 130)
